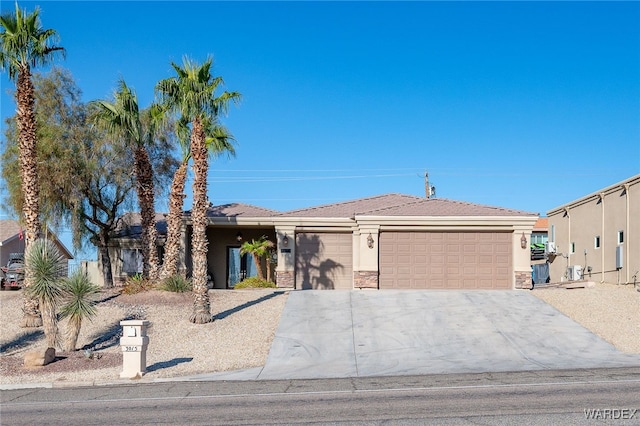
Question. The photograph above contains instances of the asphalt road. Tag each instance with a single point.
(535, 397)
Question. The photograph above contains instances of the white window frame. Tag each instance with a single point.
(620, 238)
(596, 242)
(572, 248)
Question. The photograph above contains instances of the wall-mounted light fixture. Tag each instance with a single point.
(285, 240)
(239, 236)
(523, 241)
(370, 241)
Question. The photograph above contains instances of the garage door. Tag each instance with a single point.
(445, 260)
(324, 261)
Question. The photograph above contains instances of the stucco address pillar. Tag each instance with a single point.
(366, 248)
(286, 245)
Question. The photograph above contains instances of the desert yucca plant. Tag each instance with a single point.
(46, 266)
(79, 300)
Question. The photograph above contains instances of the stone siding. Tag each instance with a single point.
(365, 279)
(523, 280)
(285, 279)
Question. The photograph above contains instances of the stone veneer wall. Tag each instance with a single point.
(285, 279)
(524, 280)
(365, 279)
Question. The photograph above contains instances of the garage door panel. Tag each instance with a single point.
(324, 261)
(474, 260)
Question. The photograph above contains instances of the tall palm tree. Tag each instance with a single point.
(192, 94)
(218, 141)
(24, 45)
(122, 117)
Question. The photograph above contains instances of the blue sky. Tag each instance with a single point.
(512, 104)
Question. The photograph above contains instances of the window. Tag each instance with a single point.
(573, 248)
(131, 261)
(538, 238)
(620, 237)
(596, 242)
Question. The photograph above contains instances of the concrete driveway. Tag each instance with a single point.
(364, 333)
(326, 334)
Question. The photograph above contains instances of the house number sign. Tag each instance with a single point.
(132, 348)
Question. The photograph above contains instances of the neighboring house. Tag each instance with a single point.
(597, 236)
(390, 241)
(12, 241)
(124, 248)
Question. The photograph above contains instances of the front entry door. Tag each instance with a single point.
(239, 266)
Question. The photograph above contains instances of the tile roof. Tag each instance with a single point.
(8, 229)
(542, 224)
(403, 205)
(130, 225)
(238, 209)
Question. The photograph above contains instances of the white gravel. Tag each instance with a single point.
(242, 333)
(239, 338)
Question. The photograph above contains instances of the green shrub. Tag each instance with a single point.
(254, 282)
(136, 284)
(176, 284)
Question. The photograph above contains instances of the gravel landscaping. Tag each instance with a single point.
(241, 335)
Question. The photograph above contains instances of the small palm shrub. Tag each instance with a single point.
(46, 266)
(79, 300)
(176, 284)
(254, 282)
(136, 284)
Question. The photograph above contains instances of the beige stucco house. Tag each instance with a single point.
(391, 241)
(597, 237)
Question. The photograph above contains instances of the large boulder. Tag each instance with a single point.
(39, 357)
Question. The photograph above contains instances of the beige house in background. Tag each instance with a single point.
(597, 237)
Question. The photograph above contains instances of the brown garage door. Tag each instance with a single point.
(445, 260)
(324, 261)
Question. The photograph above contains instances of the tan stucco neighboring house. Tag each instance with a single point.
(597, 237)
(391, 241)
(11, 241)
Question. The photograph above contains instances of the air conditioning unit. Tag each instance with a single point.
(549, 247)
(574, 273)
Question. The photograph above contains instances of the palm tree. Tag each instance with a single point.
(123, 118)
(218, 142)
(259, 248)
(47, 268)
(26, 45)
(192, 94)
(79, 298)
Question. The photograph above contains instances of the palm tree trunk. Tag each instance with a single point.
(258, 262)
(144, 186)
(201, 306)
(29, 177)
(174, 222)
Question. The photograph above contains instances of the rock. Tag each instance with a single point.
(40, 357)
